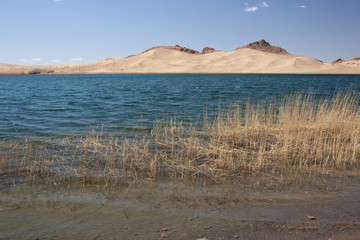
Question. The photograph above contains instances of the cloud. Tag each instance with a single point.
(56, 61)
(255, 8)
(302, 6)
(36, 59)
(251, 9)
(77, 59)
(58, 0)
(22, 60)
(264, 4)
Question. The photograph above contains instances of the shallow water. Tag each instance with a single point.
(70, 104)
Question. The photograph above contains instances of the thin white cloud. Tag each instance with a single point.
(302, 6)
(264, 4)
(251, 9)
(36, 59)
(77, 59)
(58, 0)
(23, 60)
(56, 61)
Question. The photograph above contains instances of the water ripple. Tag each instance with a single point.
(64, 104)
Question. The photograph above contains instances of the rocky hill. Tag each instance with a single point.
(264, 46)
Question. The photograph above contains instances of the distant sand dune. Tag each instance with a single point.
(258, 57)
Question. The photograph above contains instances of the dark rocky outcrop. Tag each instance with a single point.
(264, 46)
(184, 49)
(339, 60)
(208, 50)
(176, 48)
(40, 71)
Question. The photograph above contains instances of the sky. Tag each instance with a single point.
(36, 32)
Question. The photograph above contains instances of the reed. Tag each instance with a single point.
(300, 132)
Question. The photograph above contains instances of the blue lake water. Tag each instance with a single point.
(71, 104)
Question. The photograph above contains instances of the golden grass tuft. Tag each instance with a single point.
(301, 132)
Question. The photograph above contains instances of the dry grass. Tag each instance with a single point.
(300, 132)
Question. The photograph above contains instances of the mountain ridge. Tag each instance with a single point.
(256, 57)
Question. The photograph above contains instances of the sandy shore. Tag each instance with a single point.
(181, 211)
(176, 60)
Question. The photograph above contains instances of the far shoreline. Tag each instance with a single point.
(177, 73)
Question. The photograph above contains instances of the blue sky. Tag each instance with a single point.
(84, 31)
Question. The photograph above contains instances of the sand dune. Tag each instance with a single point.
(258, 57)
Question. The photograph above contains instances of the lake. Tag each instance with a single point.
(60, 105)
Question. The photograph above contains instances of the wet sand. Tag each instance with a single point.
(180, 211)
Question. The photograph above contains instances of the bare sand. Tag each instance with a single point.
(170, 60)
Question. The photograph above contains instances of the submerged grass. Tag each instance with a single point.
(300, 133)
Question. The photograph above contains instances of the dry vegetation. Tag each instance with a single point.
(300, 133)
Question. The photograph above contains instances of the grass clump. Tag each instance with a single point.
(300, 133)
